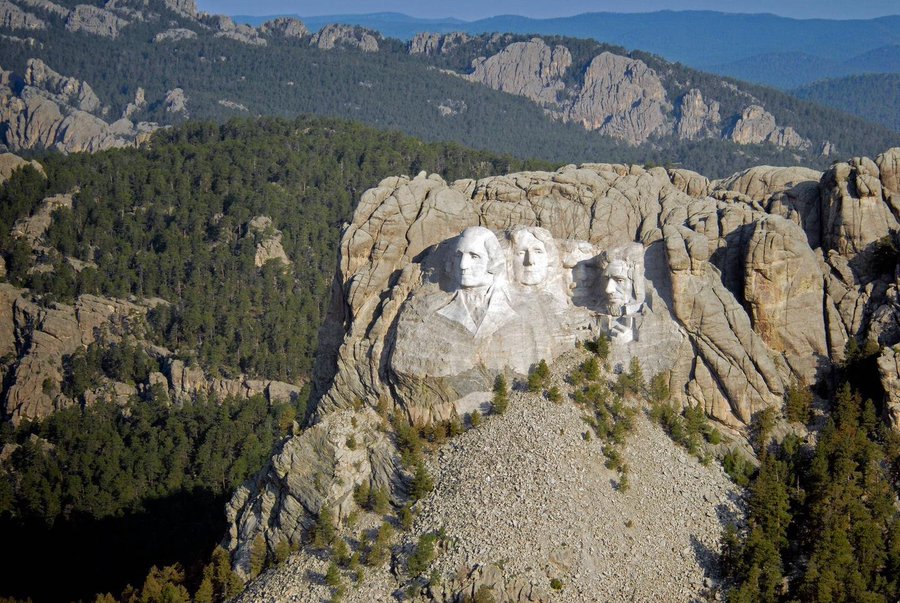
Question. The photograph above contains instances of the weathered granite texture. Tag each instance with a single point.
(337, 36)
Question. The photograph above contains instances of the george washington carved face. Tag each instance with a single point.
(478, 258)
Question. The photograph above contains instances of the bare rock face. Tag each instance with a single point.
(285, 27)
(856, 210)
(10, 162)
(318, 468)
(187, 383)
(13, 17)
(531, 69)
(55, 111)
(697, 118)
(623, 98)
(889, 369)
(174, 35)
(756, 125)
(790, 192)
(95, 21)
(784, 288)
(336, 35)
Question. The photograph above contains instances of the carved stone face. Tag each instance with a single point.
(530, 260)
(472, 261)
(618, 284)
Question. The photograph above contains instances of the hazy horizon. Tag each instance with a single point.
(470, 10)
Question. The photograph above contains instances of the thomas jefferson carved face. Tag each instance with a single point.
(619, 290)
(530, 259)
(476, 257)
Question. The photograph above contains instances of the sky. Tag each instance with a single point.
(469, 10)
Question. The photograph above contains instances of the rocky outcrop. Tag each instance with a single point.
(176, 102)
(32, 228)
(433, 43)
(620, 97)
(286, 27)
(320, 467)
(47, 6)
(53, 111)
(13, 17)
(336, 35)
(784, 288)
(44, 335)
(137, 105)
(856, 212)
(268, 241)
(696, 117)
(185, 8)
(756, 125)
(10, 163)
(531, 69)
(187, 383)
(95, 21)
(176, 34)
(227, 28)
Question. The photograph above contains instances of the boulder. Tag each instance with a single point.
(268, 241)
(176, 102)
(434, 43)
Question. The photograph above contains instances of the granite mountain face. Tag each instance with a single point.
(752, 283)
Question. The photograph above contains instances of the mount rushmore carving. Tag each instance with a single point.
(500, 302)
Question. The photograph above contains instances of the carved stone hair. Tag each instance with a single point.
(541, 234)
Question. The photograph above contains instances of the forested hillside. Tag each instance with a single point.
(223, 77)
(856, 94)
(111, 491)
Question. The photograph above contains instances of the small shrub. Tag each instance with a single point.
(659, 389)
(406, 517)
(556, 584)
(419, 561)
(422, 483)
(500, 400)
(538, 376)
(282, 551)
(361, 495)
(351, 442)
(738, 468)
(340, 554)
(475, 419)
(380, 500)
(324, 531)
(332, 575)
(554, 395)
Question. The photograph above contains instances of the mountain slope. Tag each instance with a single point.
(854, 94)
(171, 64)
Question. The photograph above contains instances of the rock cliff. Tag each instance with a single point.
(13, 17)
(49, 110)
(95, 21)
(751, 283)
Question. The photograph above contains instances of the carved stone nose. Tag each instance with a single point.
(610, 286)
(527, 260)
